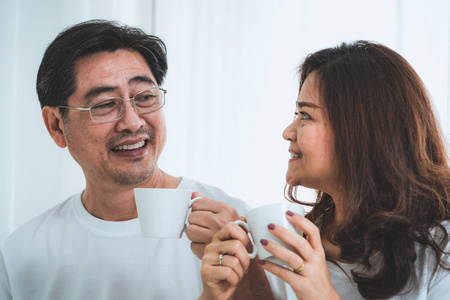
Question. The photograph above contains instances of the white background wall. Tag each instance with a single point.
(231, 84)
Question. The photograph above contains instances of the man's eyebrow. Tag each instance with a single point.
(307, 104)
(141, 79)
(95, 91)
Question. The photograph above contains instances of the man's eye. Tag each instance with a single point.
(144, 98)
(104, 105)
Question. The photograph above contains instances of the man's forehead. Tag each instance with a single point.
(112, 68)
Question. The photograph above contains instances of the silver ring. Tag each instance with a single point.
(220, 259)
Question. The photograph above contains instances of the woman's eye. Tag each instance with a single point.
(304, 116)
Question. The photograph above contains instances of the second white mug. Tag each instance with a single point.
(256, 227)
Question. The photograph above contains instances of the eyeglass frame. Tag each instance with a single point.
(123, 105)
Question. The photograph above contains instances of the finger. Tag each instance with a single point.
(286, 275)
(200, 237)
(198, 249)
(197, 194)
(233, 262)
(231, 247)
(202, 226)
(285, 255)
(232, 231)
(207, 204)
(199, 234)
(207, 219)
(204, 219)
(309, 228)
(293, 239)
(227, 248)
(216, 274)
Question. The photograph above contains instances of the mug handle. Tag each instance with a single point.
(246, 228)
(192, 201)
(190, 206)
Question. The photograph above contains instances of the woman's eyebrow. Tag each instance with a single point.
(307, 104)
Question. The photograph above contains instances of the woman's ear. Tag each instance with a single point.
(54, 123)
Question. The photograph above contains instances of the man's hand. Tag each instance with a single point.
(207, 217)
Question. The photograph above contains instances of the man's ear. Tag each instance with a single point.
(54, 123)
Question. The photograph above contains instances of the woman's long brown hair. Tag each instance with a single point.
(392, 163)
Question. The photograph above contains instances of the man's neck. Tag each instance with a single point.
(116, 203)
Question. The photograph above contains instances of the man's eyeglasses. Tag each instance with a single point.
(111, 109)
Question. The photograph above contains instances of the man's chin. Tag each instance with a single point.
(127, 178)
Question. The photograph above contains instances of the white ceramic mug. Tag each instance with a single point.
(162, 212)
(256, 227)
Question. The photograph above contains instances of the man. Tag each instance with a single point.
(99, 85)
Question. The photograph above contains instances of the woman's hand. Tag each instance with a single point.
(310, 278)
(225, 262)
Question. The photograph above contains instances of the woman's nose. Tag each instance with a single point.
(290, 133)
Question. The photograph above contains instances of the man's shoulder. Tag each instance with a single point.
(214, 193)
(24, 235)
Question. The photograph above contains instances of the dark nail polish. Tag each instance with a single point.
(290, 213)
(264, 242)
(261, 262)
(246, 271)
(247, 246)
(271, 226)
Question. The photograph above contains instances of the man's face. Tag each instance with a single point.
(99, 147)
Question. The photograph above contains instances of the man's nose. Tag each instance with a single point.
(131, 119)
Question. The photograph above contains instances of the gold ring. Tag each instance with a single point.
(302, 267)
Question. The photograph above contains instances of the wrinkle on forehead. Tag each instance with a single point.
(112, 65)
(117, 70)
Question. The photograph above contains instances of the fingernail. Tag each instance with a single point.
(264, 242)
(247, 246)
(290, 213)
(271, 226)
(261, 262)
(246, 271)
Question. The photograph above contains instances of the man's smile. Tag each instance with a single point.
(129, 147)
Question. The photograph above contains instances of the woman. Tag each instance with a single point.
(365, 137)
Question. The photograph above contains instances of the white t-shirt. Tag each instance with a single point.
(66, 253)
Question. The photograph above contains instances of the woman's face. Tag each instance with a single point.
(311, 141)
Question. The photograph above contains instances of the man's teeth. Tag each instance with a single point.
(129, 147)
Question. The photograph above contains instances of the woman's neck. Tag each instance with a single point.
(328, 229)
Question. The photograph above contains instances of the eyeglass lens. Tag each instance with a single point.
(110, 109)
